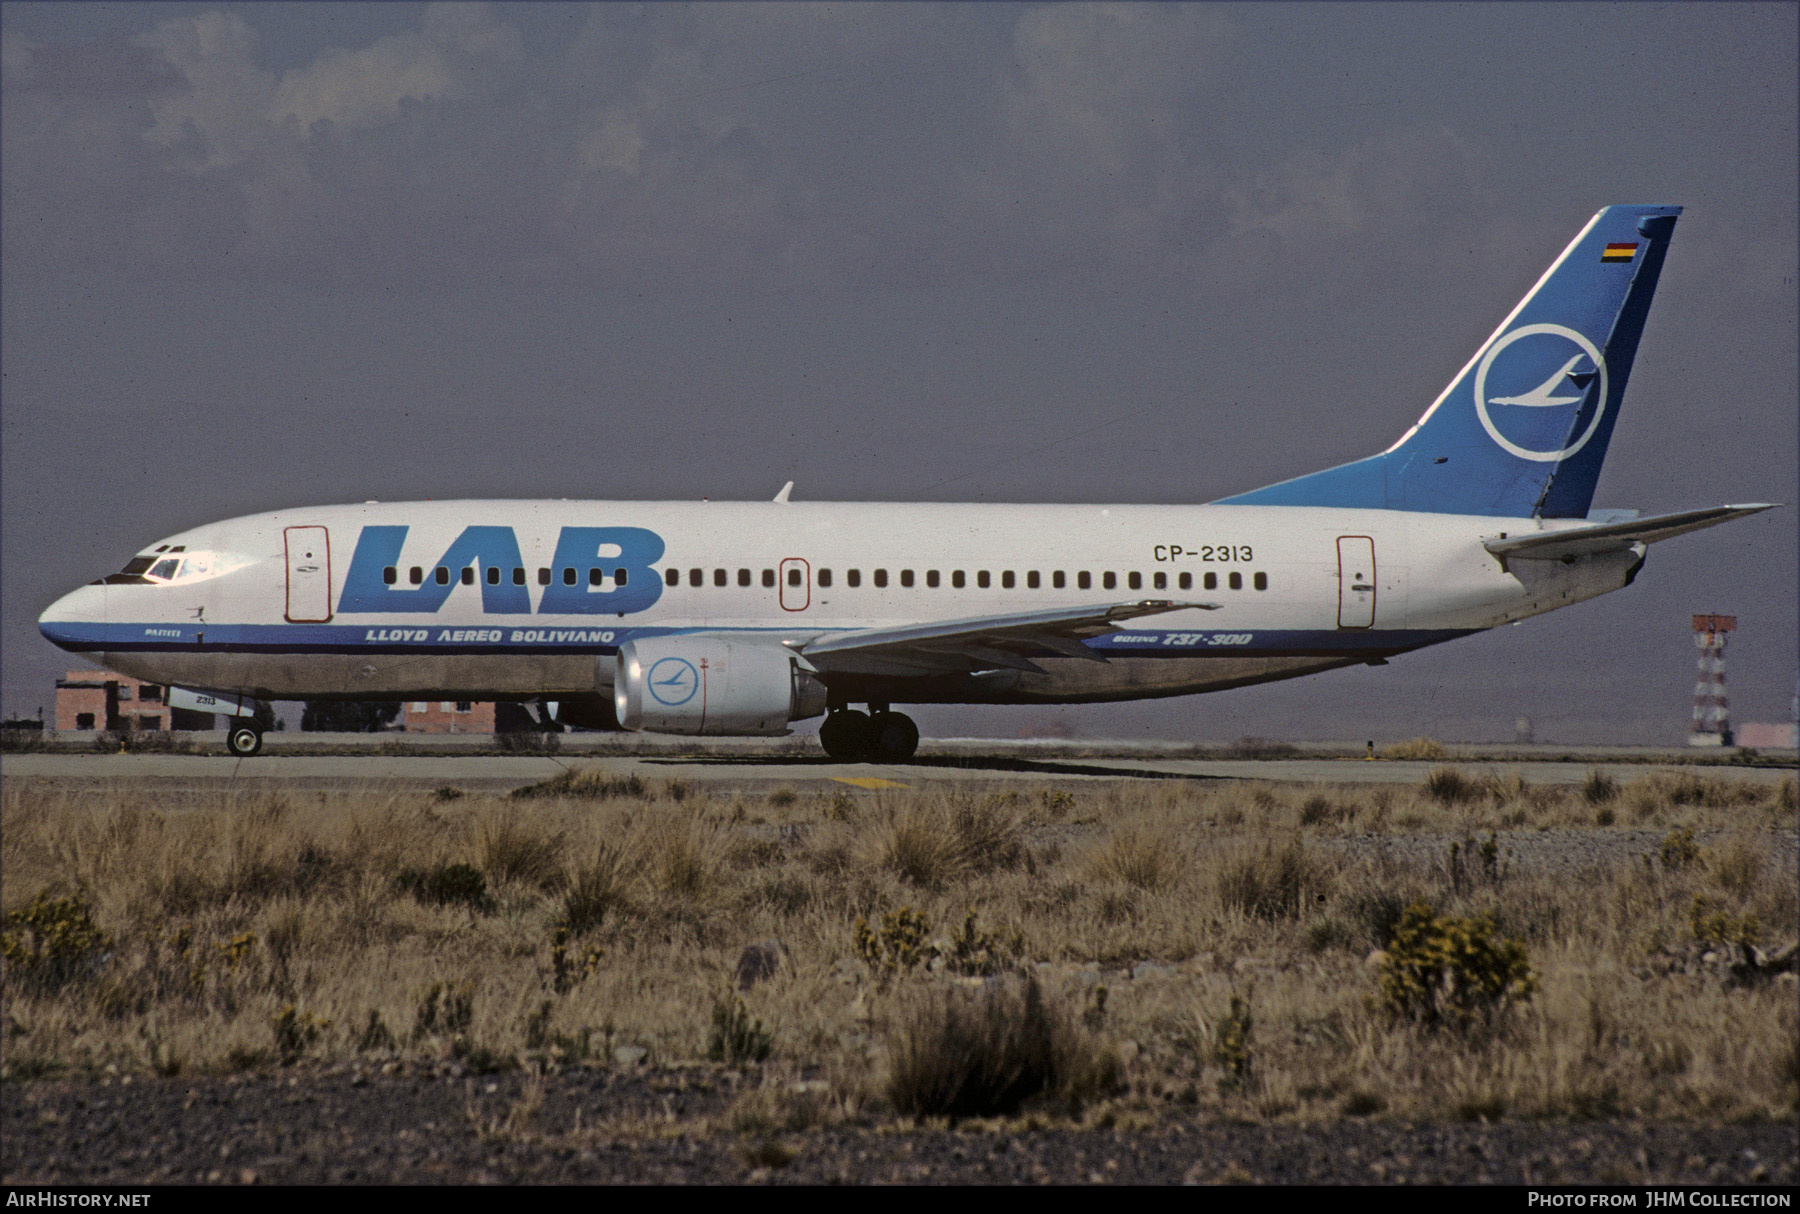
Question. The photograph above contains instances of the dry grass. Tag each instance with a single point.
(1415, 748)
(962, 1053)
(1212, 939)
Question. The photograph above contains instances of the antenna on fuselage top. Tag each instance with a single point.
(786, 489)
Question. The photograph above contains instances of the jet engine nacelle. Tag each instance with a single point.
(712, 685)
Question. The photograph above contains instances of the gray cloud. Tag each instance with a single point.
(735, 143)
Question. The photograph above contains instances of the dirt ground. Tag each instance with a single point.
(647, 1126)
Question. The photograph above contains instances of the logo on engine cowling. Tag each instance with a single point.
(673, 681)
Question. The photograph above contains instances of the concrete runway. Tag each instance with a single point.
(502, 773)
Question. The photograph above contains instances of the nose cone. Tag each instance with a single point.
(76, 621)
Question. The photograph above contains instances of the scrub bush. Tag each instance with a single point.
(52, 941)
(1450, 971)
(736, 1036)
(898, 946)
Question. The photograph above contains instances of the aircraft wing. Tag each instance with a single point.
(979, 642)
(1615, 537)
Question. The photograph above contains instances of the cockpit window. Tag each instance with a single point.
(157, 569)
(132, 574)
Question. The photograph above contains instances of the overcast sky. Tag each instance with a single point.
(259, 256)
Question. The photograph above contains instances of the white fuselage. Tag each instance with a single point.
(323, 602)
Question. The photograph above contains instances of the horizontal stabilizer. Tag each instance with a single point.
(981, 642)
(1577, 542)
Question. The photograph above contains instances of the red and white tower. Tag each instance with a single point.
(1712, 715)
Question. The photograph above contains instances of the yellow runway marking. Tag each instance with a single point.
(869, 782)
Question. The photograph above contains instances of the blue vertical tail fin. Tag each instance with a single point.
(1523, 428)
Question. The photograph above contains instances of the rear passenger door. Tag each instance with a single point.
(1356, 581)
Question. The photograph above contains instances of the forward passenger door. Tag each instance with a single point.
(308, 575)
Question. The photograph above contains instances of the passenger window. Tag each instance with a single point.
(794, 576)
(1084, 580)
(1031, 580)
(468, 575)
(824, 578)
(881, 577)
(568, 575)
(906, 578)
(1237, 581)
(596, 576)
(493, 575)
(769, 577)
(1135, 581)
(721, 578)
(518, 575)
(389, 576)
(1160, 581)
(1212, 581)
(671, 577)
(853, 577)
(743, 577)
(696, 577)
(443, 575)
(1006, 580)
(543, 576)
(1109, 580)
(956, 579)
(1187, 581)
(415, 575)
(981, 579)
(618, 577)
(1260, 581)
(1058, 581)
(931, 578)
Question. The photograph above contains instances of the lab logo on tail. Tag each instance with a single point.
(1539, 376)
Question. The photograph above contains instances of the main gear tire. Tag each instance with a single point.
(846, 735)
(893, 737)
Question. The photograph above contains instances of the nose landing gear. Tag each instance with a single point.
(244, 738)
(883, 736)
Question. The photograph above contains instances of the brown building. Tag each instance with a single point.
(448, 716)
(100, 699)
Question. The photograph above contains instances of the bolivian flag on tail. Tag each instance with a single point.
(1619, 252)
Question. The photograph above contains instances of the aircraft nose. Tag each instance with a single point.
(76, 620)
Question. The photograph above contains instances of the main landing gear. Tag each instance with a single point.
(880, 736)
(244, 738)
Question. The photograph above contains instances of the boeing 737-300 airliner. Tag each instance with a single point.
(730, 618)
